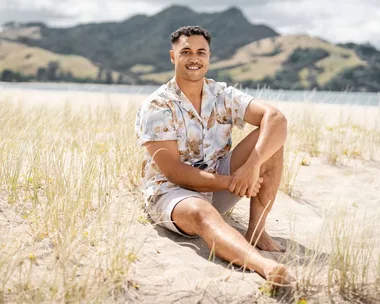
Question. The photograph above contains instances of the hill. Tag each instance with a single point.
(360, 78)
(44, 65)
(136, 51)
(295, 61)
(143, 40)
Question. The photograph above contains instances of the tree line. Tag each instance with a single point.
(52, 72)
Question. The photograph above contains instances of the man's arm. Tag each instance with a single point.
(166, 156)
(273, 130)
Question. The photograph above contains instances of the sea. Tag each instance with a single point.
(343, 97)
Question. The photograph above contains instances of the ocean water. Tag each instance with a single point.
(344, 97)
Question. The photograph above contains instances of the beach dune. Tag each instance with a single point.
(328, 206)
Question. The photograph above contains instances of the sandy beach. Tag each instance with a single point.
(329, 206)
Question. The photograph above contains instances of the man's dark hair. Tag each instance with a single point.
(188, 31)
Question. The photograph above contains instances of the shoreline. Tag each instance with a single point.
(56, 98)
(359, 114)
(62, 94)
(330, 97)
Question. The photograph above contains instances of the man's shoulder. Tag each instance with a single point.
(216, 87)
(159, 97)
(222, 89)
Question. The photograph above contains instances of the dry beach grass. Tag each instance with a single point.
(73, 229)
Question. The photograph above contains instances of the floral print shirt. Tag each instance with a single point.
(202, 139)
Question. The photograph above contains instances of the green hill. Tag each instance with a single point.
(359, 78)
(43, 65)
(136, 51)
(302, 62)
(145, 40)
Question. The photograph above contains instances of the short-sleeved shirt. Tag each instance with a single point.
(202, 140)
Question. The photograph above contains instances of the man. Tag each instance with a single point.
(191, 177)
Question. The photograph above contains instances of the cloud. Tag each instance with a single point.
(45, 11)
(72, 12)
(32, 15)
(336, 21)
(20, 11)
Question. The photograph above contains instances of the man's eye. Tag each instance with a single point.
(186, 52)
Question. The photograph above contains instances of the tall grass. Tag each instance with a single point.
(68, 209)
(338, 134)
(68, 180)
(341, 264)
(293, 159)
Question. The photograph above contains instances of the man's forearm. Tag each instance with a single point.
(195, 179)
(273, 130)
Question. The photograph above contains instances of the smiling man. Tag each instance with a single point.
(190, 174)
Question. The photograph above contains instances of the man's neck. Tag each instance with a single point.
(192, 90)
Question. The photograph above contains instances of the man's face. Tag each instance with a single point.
(191, 57)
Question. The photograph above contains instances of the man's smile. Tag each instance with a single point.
(193, 67)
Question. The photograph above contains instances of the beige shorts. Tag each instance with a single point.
(161, 211)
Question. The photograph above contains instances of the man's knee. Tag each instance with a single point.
(201, 212)
(202, 215)
(193, 214)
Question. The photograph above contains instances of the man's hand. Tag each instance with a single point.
(246, 181)
(166, 155)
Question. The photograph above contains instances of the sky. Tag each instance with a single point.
(334, 20)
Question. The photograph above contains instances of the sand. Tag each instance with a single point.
(174, 269)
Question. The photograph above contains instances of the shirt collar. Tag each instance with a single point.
(173, 87)
(208, 96)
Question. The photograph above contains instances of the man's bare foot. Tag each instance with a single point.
(266, 243)
(277, 275)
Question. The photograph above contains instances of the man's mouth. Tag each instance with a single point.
(193, 67)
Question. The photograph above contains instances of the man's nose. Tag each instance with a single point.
(194, 58)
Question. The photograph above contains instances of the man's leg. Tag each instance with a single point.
(196, 216)
(271, 172)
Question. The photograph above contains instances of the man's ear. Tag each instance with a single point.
(172, 56)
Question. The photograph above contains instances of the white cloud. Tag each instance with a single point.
(101, 11)
(72, 12)
(336, 21)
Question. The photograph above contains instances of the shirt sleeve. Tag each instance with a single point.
(154, 122)
(238, 101)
